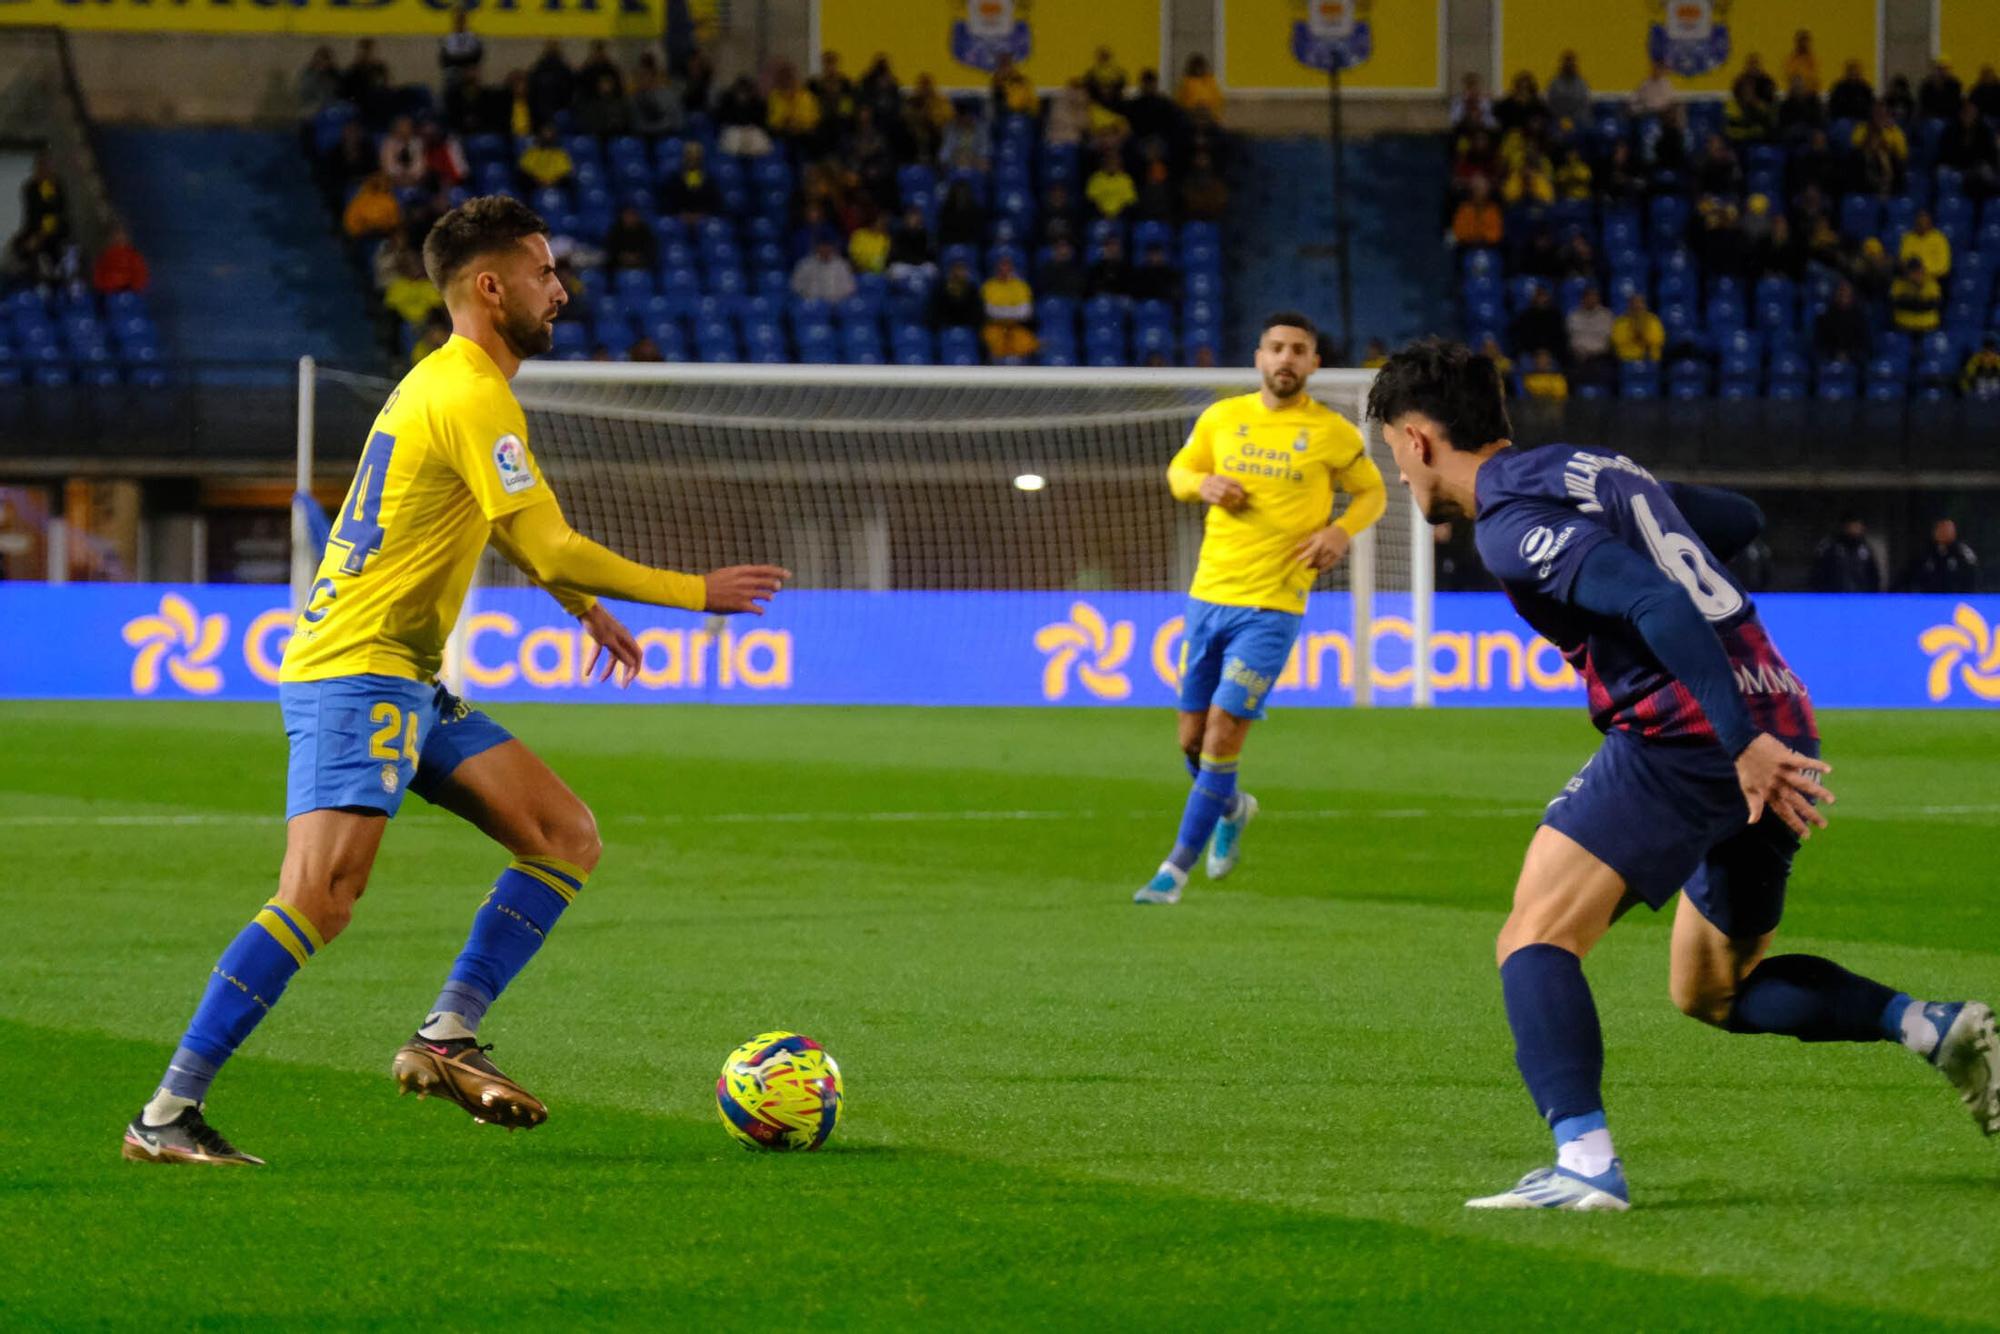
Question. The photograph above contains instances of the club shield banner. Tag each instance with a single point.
(156, 641)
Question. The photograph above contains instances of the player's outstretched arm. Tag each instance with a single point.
(1724, 521)
(542, 544)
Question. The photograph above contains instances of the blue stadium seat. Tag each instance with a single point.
(861, 345)
(1480, 263)
(1860, 216)
(1786, 391)
(1056, 313)
(958, 347)
(1737, 388)
(1521, 290)
(1638, 380)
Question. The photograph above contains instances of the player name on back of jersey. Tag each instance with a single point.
(1580, 476)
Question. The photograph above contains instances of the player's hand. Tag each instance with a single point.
(611, 641)
(1219, 490)
(1776, 777)
(1324, 549)
(743, 587)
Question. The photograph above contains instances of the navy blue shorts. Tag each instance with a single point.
(362, 741)
(1671, 817)
(1232, 656)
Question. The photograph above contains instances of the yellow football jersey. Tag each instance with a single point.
(448, 455)
(1289, 461)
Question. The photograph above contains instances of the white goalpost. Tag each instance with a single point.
(937, 479)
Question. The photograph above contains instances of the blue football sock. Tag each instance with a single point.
(1814, 1000)
(509, 927)
(245, 983)
(1557, 1042)
(1213, 787)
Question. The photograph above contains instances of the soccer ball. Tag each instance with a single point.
(779, 1091)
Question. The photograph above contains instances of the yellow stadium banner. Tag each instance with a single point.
(957, 42)
(1262, 45)
(1703, 42)
(1968, 35)
(358, 18)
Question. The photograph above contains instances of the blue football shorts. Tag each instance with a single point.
(360, 742)
(1232, 656)
(1668, 817)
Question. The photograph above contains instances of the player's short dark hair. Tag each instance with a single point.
(1448, 382)
(477, 227)
(1290, 319)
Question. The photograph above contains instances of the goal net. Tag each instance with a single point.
(937, 481)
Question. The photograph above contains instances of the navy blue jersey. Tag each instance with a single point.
(1541, 511)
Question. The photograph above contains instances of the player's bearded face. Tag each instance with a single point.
(531, 295)
(525, 324)
(1284, 359)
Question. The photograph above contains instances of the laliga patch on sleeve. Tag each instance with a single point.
(510, 460)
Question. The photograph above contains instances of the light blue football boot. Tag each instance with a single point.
(1560, 1188)
(1164, 887)
(1227, 845)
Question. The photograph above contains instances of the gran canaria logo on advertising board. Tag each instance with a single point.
(1086, 632)
(1966, 650)
(186, 641)
(986, 30)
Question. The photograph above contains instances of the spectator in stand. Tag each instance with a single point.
(1968, 147)
(520, 106)
(926, 112)
(120, 267)
(1927, 245)
(1009, 305)
(1655, 92)
(1105, 80)
(373, 211)
(1846, 562)
(401, 157)
(1155, 183)
(546, 162)
(437, 332)
(873, 158)
(1573, 179)
(1878, 163)
(1940, 94)
(1853, 97)
(460, 50)
(740, 113)
(1545, 378)
(1915, 299)
(1060, 273)
(955, 302)
(1767, 241)
(1569, 95)
(1620, 182)
(911, 256)
(595, 66)
(365, 81)
(1717, 171)
(1110, 189)
(1475, 157)
(1377, 355)
(1800, 113)
(1667, 144)
(1753, 104)
(824, 275)
(1200, 95)
(1204, 197)
(839, 98)
(691, 194)
(1013, 92)
(697, 78)
(1151, 114)
(1588, 327)
(602, 108)
(1872, 272)
(1882, 121)
(1110, 275)
(318, 84)
(658, 107)
(1980, 376)
(792, 112)
(1985, 93)
(351, 162)
(1718, 238)
(1802, 66)
(868, 244)
(1521, 105)
(411, 295)
(1815, 167)
(444, 157)
(1638, 335)
(631, 244)
(1472, 109)
(551, 84)
(1530, 181)
(815, 226)
(1539, 327)
(961, 221)
(644, 350)
(1947, 565)
(1156, 278)
(967, 143)
(1503, 365)
(1478, 221)
(1069, 116)
(882, 90)
(1841, 333)
(1902, 103)
(468, 103)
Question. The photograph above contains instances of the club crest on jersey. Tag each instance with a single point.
(1301, 440)
(390, 779)
(510, 459)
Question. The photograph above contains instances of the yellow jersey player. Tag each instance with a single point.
(1267, 465)
(445, 470)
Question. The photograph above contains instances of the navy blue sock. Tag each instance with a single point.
(1213, 788)
(1814, 1000)
(1557, 1042)
(511, 924)
(243, 986)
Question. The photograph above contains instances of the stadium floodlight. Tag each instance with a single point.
(860, 477)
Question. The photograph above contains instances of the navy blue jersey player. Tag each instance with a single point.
(1707, 779)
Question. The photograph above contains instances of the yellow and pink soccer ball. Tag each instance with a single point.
(779, 1091)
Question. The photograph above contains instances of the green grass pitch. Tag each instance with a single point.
(1262, 1107)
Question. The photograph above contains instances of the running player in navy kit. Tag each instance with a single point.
(1707, 780)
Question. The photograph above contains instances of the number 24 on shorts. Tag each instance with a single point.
(391, 719)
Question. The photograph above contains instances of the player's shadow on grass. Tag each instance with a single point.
(1875, 1190)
